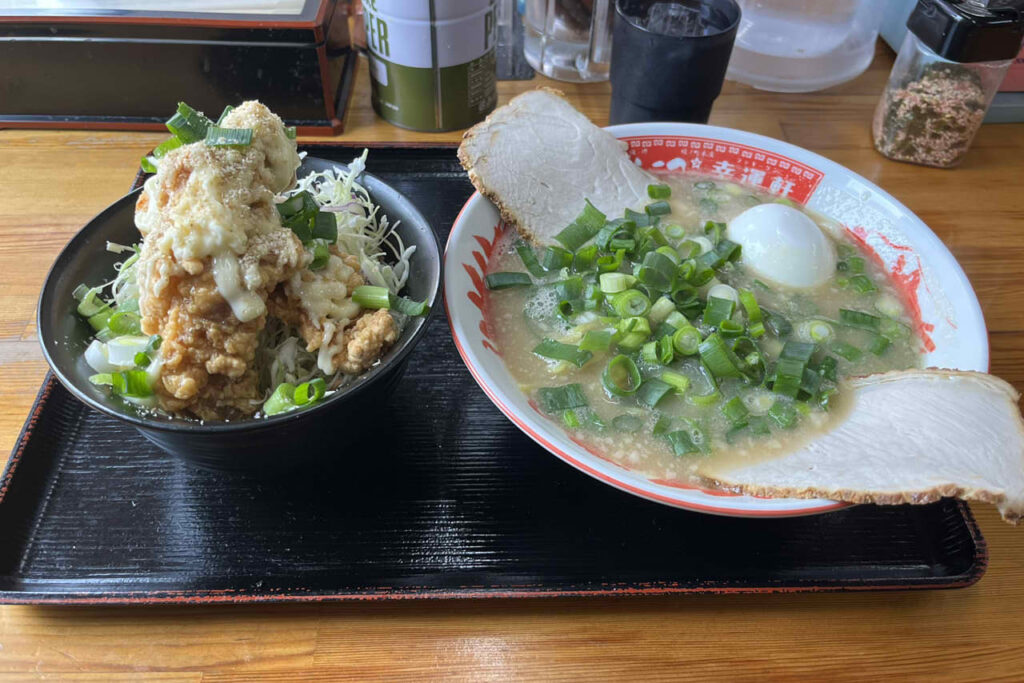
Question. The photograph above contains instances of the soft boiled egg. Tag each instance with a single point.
(783, 245)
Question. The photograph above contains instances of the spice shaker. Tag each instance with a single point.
(948, 69)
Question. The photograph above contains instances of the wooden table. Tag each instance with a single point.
(51, 183)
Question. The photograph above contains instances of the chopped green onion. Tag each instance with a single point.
(718, 310)
(621, 377)
(633, 332)
(789, 376)
(862, 284)
(555, 350)
(405, 306)
(553, 400)
(690, 249)
(879, 345)
(142, 360)
(371, 296)
(609, 263)
(131, 384)
(730, 328)
(613, 283)
(686, 340)
(753, 366)
(569, 289)
(300, 203)
(188, 124)
(556, 258)
(584, 258)
(677, 320)
(783, 413)
(290, 132)
(894, 329)
(101, 320)
(310, 392)
(665, 352)
(583, 229)
(708, 206)
(819, 330)
(627, 423)
(715, 231)
(149, 163)
(228, 137)
(325, 227)
(678, 381)
(889, 306)
(631, 303)
(801, 351)
(811, 380)
(847, 351)
(125, 322)
(657, 271)
(846, 251)
(749, 303)
(598, 340)
(827, 368)
(505, 280)
(661, 191)
(776, 324)
(321, 255)
(224, 114)
(592, 297)
(90, 303)
(652, 391)
(660, 208)
(859, 319)
(688, 441)
(855, 264)
(103, 379)
(529, 259)
(662, 425)
(735, 411)
(719, 358)
(669, 253)
(662, 309)
(282, 400)
(649, 352)
(571, 419)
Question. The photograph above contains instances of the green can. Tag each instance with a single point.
(432, 62)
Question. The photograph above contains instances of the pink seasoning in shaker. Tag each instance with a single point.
(946, 73)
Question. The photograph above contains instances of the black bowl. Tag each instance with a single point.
(265, 443)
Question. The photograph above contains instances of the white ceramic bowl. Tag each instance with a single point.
(951, 326)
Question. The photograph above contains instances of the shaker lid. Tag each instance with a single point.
(969, 30)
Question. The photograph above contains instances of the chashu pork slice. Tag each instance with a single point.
(909, 436)
(538, 159)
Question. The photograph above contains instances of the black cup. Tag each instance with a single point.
(670, 74)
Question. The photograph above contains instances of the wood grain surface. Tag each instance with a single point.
(52, 182)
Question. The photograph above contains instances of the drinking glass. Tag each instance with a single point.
(569, 40)
(670, 58)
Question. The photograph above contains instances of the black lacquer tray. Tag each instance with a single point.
(443, 498)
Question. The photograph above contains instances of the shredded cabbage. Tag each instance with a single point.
(363, 230)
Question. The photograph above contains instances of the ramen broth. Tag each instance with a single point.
(625, 429)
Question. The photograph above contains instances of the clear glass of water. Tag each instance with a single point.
(804, 45)
(569, 40)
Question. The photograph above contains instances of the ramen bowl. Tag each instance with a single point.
(948, 319)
